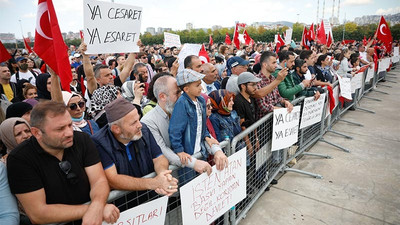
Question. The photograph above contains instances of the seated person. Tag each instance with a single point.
(19, 109)
(13, 131)
(128, 152)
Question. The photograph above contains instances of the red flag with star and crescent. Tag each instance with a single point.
(228, 39)
(236, 37)
(211, 42)
(304, 38)
(203, 55)
(4, 54)
(49, 44)
(27, 41)
(246, 37)
(383, 34)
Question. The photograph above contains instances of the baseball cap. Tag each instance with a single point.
(188, 76)
(77, 55)
(247, 77)
(236, 61)
(19, 59)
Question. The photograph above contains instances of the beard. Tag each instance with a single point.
(169, 106)
(133, 138)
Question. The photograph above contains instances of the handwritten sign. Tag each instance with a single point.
(370, 73)
(110, 27)
(150, 213)
(285, 128)
(345, 87)
(206, 198)
(171, 40)
(312, 111)
(288, 37)
(187, 49)
(356, 82)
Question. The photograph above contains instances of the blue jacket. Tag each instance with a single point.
(226, 125)
(183, 125)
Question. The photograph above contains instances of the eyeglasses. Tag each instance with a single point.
(74, 106)
(65, 166)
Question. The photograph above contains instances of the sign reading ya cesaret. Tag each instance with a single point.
(110, 27)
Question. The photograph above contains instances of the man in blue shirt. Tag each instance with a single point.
(128, 151)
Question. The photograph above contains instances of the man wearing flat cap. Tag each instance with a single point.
(128, 151)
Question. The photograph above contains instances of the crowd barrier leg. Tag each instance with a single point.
(335, 145)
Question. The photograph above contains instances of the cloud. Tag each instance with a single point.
(356, 2)
(309, 5)
(29, 15)
(388, 11)
(4, 1)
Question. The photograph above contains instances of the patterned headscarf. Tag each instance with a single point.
(220, 100)
(101, 97)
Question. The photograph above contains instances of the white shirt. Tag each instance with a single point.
(204, 87)
(197, 147)
(24, 75)
(232, 85)
(363, 56)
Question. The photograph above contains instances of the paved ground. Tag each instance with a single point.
(361, 187)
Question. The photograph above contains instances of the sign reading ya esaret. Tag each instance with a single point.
(110, 27)
(286, 127)
(150, 213)
(206, 198)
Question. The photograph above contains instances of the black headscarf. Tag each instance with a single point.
(41, 84)
(18, 109)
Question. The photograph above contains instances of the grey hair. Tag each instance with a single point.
(137, 66)
(206, 67)
(97, 69)
(161, 86)
(117, 122)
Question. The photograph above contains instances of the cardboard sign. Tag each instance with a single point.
(285, 128)
(356, 82)
(288, 37)
(370, 73)
(345, 87)
(172, 40)
(206, 198)
(110, 27)
(187, 49)
(312, 111)
(150, 213)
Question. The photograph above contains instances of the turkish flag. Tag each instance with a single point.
(384, 34)
(81, 34)
(330, 41)
(211, 41)
(321, 36)
(247, 38)
(365, 41)
(26, 43)
(228, 39)
(4, 54)
(280, 40)
(311, 33)
(304, 38)
(236, 36)
(203, 55)
(49, 44)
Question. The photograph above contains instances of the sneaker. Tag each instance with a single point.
(273, 182)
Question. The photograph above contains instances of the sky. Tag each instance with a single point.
(202, 14)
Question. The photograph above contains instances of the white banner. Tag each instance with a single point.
(172, 40)
(150, 213)
(396, 51)
(312, 111)
(370, 73)
(110, 27)
(356, 82)
(345, 87)
(288, 37)
(206, 198)
(187, 49)
(285, 128)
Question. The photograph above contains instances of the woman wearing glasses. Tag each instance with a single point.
(76, 108)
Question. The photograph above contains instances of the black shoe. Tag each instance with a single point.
(266, 189)
(274, 182)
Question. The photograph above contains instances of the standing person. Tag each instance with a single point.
(8, 208)
(236, 65)
(57, 171)
(300, 69)
(209, 83)
(310, 57)
(7, 88)
(120, 65)
(43, 84)
(187, 127)
(75, 84)
(13, 131)
(23, 72)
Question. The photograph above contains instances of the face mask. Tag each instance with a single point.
(24, 66)
(78, 119)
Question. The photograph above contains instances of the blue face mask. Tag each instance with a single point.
(78, 119)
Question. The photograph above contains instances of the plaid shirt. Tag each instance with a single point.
(267, 103)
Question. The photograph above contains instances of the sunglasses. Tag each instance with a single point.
(65, 166)
(74, 106)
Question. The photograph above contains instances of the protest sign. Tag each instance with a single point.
(288, 37)
(110, 27)
(312, 111)
(345, 87)
(206, 198)
(356, 82)
(171, 40)
(187, 49)
(396, 51)
(370, 73)
(285, 128)
(150, 213)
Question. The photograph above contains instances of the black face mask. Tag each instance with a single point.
(23, 66)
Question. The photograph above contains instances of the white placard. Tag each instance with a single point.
(336, 95)
(285, 128)
(110, 27)
(312, 111)
(356, 82)
(206, 198)
(370, 73)
(345, 87)
(150, 213)
(396, 51)
(288, 37)
(187, 49)
(172, 40)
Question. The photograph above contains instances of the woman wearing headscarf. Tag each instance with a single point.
(224, 119)
(100, 98)
(13, 131)
(43, 84)
(19, 109)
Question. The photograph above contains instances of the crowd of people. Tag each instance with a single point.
(129, 115)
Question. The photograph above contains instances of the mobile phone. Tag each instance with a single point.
(285, 65)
